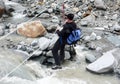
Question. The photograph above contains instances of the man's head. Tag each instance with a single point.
(70, 16)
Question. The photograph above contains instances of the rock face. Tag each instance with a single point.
(2, 8)
(103, 64)
(31, 29)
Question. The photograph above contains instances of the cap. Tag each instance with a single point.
(70, 16)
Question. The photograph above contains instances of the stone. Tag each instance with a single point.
(99, 4)
(55, 19)
(90, 58)
(52, 28)
(67, 55)
(21, 47)
(36, 53)
(44, 15)
(49, 54)
(116, 26)
(103, 64)
(50, 10)
(89, 20)
(34, 43)
(2, 30)
(31, 29)
(114, 17)
(43, 43)
(93, 36)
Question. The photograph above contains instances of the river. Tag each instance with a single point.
(72, 72)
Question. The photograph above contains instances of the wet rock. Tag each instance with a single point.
(43, 43)
(51, 61)
(29, 49)
(55, 19)
(114, 40)
(44, 15)
(42, 60)
(49, 54)
(31, 29)
(34, 43)
(104, 64)
(13, 6)
(2, 32)
(21, 47)
(114, 17)
(50, 10)
(89, 20)
(36, 53)
(93, 36)
(67, 55)
(91, 46)
(90, 58)
(52, 28)
(100, 4)
(2, 29)
(117, 57)
(116, 26)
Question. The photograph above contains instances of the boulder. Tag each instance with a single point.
(99, 4)
(31, 29)
(89, 20)
(43, 43)
(90, 58)
(104, 64)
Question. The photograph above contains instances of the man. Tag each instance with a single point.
(62, 41)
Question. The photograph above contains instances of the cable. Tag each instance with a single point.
(19, 65)
(18, 28)
(29, 55)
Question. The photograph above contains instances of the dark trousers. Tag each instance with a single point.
(58, 57)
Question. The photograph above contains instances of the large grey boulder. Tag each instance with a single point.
(104, 64)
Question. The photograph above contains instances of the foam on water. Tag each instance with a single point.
(18, 15)
(46, 80)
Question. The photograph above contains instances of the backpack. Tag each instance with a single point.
(74, 36)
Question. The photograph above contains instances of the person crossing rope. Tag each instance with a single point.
(68, 27)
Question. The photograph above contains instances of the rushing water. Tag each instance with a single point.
(73, 72)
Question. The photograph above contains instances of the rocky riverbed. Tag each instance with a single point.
(98, 51)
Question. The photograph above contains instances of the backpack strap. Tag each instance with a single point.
(60, 39)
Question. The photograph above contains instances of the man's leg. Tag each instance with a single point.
(55, 52)
(62, 52)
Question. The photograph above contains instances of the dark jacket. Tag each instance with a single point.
(67, 29)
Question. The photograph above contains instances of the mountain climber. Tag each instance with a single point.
(62, 40)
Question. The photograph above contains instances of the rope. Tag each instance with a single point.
(18, 28)
(32, 53)
(19, 64)
(29, 55)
